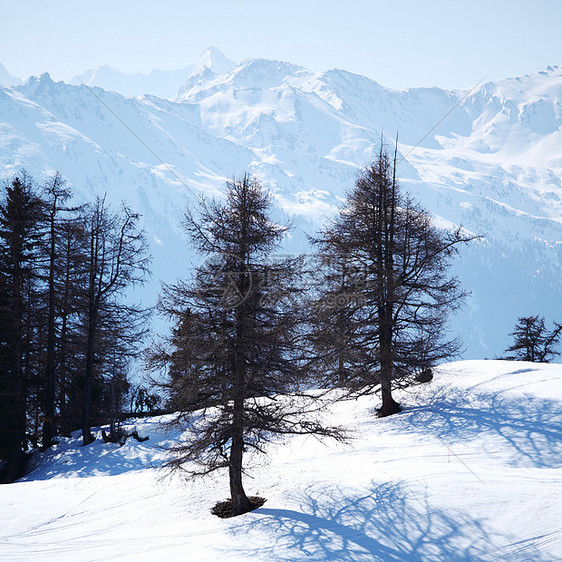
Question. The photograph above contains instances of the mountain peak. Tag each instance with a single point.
(160, 83)
(215, 61)
(44, 78)
(263, 73)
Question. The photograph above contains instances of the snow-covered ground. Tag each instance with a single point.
(471, 470)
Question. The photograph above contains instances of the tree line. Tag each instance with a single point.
(256, 335)
(67, 332)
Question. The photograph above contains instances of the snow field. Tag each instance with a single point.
(470, 470)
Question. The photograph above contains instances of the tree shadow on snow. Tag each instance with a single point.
(69, 459)
(387, 524)
(529, 429)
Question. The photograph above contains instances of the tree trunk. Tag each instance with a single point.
(14, 467)
(87, 436)
(64, 425)
(389, 405)
(65, 422)
(50, 368)
(386, 307)
(20, 374)
(240, 502)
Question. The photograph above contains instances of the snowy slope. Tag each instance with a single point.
(7, 79)
(487, 159)
(471, 470)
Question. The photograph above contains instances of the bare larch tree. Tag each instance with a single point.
(532, 341)
(400, 294)
(116, 259)
(236, 354)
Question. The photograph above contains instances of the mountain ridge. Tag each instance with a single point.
(7, 79)
(488, 160)
(160, 83)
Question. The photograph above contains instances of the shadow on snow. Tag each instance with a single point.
(388, 523)
(69, 459)
(527, 428)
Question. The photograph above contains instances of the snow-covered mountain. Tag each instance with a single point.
(489, 159)
(161, 83)
(470, 470)
(7, 79)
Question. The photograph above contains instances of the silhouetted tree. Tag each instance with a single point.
(179, 355)
(66, 332)
(237, 345)
(59, 219)
(21, 216)
(116, 259)
(396, 303)
(70, 295)
(143, 400)
(334, 322)
(532, 341)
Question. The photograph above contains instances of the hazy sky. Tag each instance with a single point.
(399, 43)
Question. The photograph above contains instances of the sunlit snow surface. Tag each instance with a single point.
(470, 470)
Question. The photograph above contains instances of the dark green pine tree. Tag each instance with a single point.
(21, 219)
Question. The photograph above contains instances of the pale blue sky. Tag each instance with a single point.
(399, 43)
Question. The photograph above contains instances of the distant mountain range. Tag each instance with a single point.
(161, 83)
(489, 159)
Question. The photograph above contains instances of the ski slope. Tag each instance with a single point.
(470, 470)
